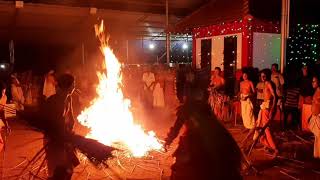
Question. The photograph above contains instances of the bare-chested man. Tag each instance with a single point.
(217, 81)
(314, 123)
(267, 110)
(246, 92)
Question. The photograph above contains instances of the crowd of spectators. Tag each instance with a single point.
(162, 87)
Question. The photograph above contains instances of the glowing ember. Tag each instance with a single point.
(109, 117)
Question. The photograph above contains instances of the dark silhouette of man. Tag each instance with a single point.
(59, 121)
(206, 150)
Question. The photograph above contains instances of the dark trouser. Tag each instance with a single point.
(195, 162)
(180, 92)
(61, 159)
(61, 173)
(295, 120)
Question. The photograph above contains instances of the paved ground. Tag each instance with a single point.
(23, 143)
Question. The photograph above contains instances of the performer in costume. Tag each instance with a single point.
(206, 150)
(217, 98)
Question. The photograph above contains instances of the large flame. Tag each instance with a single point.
(109, 117)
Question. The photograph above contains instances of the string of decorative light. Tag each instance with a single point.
(304, 44)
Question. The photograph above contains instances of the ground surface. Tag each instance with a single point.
(23, 143)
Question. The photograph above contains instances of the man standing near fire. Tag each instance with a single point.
(206, 150)
(314, 122)
(267, 110)
(59, 123)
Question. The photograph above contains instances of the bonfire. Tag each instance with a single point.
(109, 116)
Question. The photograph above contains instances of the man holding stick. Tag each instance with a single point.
(59, 119)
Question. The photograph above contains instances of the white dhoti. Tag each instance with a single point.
(247, 112)
(158, 96)
(314, 126)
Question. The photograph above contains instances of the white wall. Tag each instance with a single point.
(266, 49)
(217, 51)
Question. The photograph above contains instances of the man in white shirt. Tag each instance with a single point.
(17, 93)
(148, 80)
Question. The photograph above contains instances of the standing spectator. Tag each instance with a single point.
(255, 76)
(189, 80)
(259, 89)
(148, 80)
(28, 90)
(291, 105)
(306, 90)
(181, 80)
(314, 122)
(158, 96)
(36, 90)
(246, 92)
(171, 99)
(267, 110)
(49, 87)
(278, 80)
(3, 122)
(17, 93)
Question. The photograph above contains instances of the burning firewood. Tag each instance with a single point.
(96, 152)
